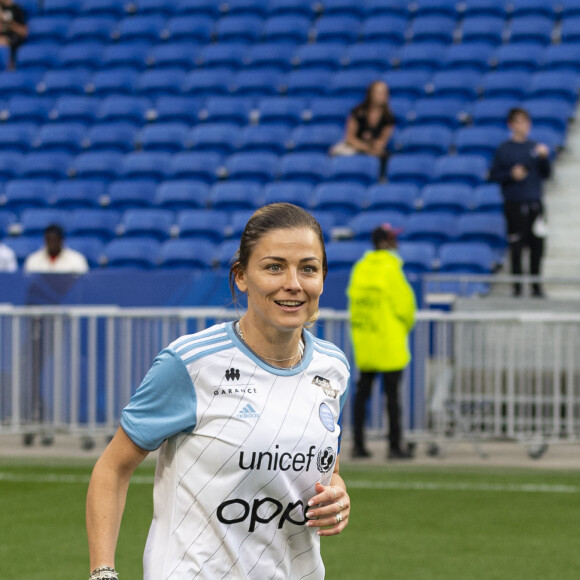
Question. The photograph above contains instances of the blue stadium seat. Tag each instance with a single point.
(483, 29)
(93, 249)
(309, 168)
(257, 83)
(38, 56)
(450, 113)
(129, 193)
(363, 169)
(297, 193)
(48, 28)
(287, 29)
(181, 194)
(230, 110)
(352, 83)
(238, 222)
(488, 198)
(156, 83)
(455, 84)
(101, 165)
(265, 138)
(344, 8)
(113, 82)
(337, 28)
(208, 82)
(137, 253)
(569, 8)
(48, 165)
(118, 137)
(236, 195)
(534, 8)
(124, 108)
(430, 139)
(186, 253)
(147, 28)
(307, 83)
(466, 258)
(158, 7)
(292, 8)
(562, 57)
(256, 167)
(400, 197)
(243, 28)
(570, 33)
(68, 8)
(411, 168)
(427, 56)
(21, 194)
(133, 55)
(17, 136)
(492, 112)
(99, 223)
(330, 110)
(469, 169)
(18, 83)
(326, 56)
(221, 138)
(146, 165)
(75, 109)
(468, 56)
(496, 8)
(171, 137)
(386, 8)
(176, 108)
(23, 246)
(60, 82)
(315, 137)
(505, 84)
(174, 55)
(29, 109)
(147, 223)
(254, 7)
(98, 28)
(225, 252)
(204, 8)
(88, 55)
(480, 140)
(409, 84)
(489, 228)
(228, 55)
(433, 227)
(385, 28)
(551, 113)
(455, 198)
(203, 223)
(35, 220)
(326, 220)
(341, 198)
(369, 55)
(198, 165)
(432, 29)
(518, 56)
(78, 193)
(67, 137)
(10, 164)
(531, 29)
(189, 28)
(342, 255)
(554, 84)
(270, 55)
(402, 108)
(418, 257)
(112, 8)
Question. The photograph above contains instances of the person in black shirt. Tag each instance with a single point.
(13, 29)
(519, 166)
(369, 126)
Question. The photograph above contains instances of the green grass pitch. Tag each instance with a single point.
(407, 523)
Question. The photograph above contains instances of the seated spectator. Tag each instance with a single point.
(369, 126)
(54, 257)
(13, 29)
(8, 262)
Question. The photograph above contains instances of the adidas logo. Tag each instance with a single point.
(248, 412)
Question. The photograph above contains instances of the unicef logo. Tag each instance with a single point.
(325, 460)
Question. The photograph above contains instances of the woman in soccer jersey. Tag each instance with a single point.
(246, 416)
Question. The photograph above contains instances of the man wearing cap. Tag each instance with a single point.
(382, 308)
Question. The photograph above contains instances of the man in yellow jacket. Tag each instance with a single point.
(382, 313)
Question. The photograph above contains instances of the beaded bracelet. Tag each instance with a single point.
(104, 573)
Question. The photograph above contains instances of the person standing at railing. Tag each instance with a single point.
(520, 165)
(247, 419)
(382, 309)
(13, 28)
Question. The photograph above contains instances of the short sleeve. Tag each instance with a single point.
(164, 404)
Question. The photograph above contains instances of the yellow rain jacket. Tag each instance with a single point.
(382, 312)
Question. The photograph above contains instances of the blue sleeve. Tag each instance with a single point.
(164, 404)
(342, 402)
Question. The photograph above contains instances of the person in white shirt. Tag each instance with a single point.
(8, 261)
(247, 419)
(54, 257)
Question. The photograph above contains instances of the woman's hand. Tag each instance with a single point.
(329, 509)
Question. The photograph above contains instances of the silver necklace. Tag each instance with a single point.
(299, 353)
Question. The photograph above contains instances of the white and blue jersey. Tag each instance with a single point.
(242, 445)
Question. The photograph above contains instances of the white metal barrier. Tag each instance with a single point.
(477, 375)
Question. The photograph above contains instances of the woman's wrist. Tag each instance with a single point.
(104, 573)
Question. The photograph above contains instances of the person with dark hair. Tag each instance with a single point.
(13, 28)
(54, 257)
(382, 309)
(519, 166)
(247, 419)
(369, 126)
